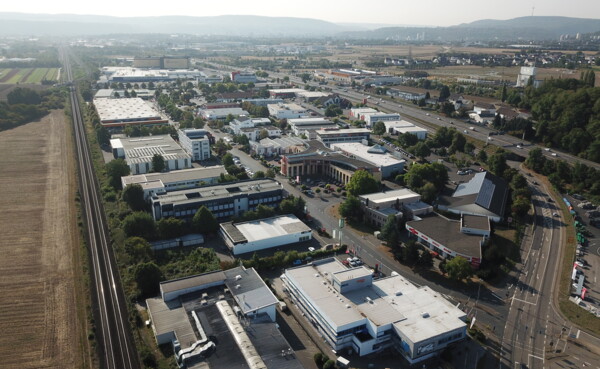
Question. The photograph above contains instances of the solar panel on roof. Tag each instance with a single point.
(485, 194)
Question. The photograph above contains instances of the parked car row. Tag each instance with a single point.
(353, 262)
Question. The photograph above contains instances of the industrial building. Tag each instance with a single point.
(243, 77)
(485, 194)
(396, 127)
(256, 235)
(372, 118)
(109, 93)
(195, 142)
(155, 183)
(138, 153)
(354, 312)
(242, 122)
(318, 160)
(116, 114)
(309, 126)
(220, 320)
(222, 114)
(138, 75)
(450, 238)
(378, 206)
(262, 102)
(286, 111)
(336, 135)
(277, 146)
(162, 62)
(224, 200)
(284, 93)
(358, 113)
(377, 155)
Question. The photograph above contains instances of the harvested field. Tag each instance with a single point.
(41, 315)
(27, 75)
(7, 75)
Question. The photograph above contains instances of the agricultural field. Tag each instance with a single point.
(42, 319)
(27, 75)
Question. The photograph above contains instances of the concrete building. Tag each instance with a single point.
(162, 62)
(138, 75)
(242, 122)
(116, 114)
(263, 102)
(256, 235)
(109, 93)
(319, 161)
(485, 194)
(378, 206)
(525, 74)
(405, 95)
(224, 200)
(254, 133)
(222, 114)
(138, 153)
(232, 312)
(195, 142)
(243, 77)
(284, 93)
(376, 155)
(372, 118)
(336, 135)
(286, 111)
(309, 126)
(277, 146)
(396, 127)
(358, 113)
(155, 183)
(353, 311)
(310, 95)
(451, 238)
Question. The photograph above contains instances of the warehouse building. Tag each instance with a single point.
(162, 62)
(450, 238)
(139, 151)
(262, 101)
(155, 183)
(284, 93)
(138, 75)
(352, 311)
(116, 114)
(277, 146)
(195, 142)
(336, 135)
(396, 127)
(376, 155)
(224, 200)
(256, 235)
(378, 206)
(230, 312)
(318, 160)
(372, 118)
(286, 111)
(243, 77)
(222, 114)
(309, 126)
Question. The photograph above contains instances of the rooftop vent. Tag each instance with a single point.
(369, 300)
(425, 315)
(347, 306)
(316, 274)
(398, 293)
(237, 286)
(238, 277)
(204, 295)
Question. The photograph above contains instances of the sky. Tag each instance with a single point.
(395, 12)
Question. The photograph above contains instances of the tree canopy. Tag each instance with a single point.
(147, 276)
(158, 163)
(204, 221)
(459, 268)
(115, 169)
(140, 224)
(362, 182)
(379, 128)
(133, 195)
(351, 208)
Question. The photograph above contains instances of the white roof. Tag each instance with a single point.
(142, 149)
(409, 130)
(282, 107)
(325, 132)
(287, 90)
(383, 197)
(398, 123)
(360, 151)
(309, 94)
(392, 300)
(124, 109)
(176, 175)
(271, 227)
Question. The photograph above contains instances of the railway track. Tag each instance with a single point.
(116, 349)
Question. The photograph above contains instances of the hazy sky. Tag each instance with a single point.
(410, 12)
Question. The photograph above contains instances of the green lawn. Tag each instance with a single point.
(28, 75)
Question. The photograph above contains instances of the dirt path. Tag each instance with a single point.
(39, 318)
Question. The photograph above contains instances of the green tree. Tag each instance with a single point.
(204, 221)
(115, 169)
(102, 135)
(259, 174)
(428, 192)
(351, 208)
(138, 249)
(425, 259)
(411, 253)
(264, 133)
(379, 128)
(227, 160)
(362, 182)
(459, 268)
(458, 143)
(389, 231)
(503, 94)
(270, 173)
(171, 228)
(140, 224)
(147, 276)
(535, 160)
(133, 195)
(482, 156)
(158, 163)
(421, 150)
(444, 93)
(497, 163)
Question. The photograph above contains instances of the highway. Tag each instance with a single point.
(116, 349)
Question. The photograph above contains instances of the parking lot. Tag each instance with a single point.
(588, 253)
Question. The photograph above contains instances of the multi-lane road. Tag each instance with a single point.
(113, 334)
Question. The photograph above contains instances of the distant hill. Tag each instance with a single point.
(526, 28)
(243, 25)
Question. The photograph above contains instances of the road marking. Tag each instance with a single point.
(527, 302)
(537, 357)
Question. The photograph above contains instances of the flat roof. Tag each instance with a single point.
(191, 281)
(218, 191)
(286, 90)
(447, 233)
(362, 152)
(248, 289)
(225, 111)
(401, 194)
(309, 94)
(289, 106)
(318, 149)
(326, 132)
(476, 222)
(142, 149)
(410, 130)
(125, 109)
(308, 121)
(169, 317)
(261, 229)
(391, 300)
(176, 175)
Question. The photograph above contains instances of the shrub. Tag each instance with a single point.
(329, 364)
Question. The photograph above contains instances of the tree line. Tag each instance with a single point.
(25, 105)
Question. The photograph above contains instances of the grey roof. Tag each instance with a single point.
(447, 232)
(233, 232)
(250, 291)
(169, 317)
(192, 281)
(377, 149)
(476, 222)
(319, 150)
(177, 175)
(484, 189)
(142, 149)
